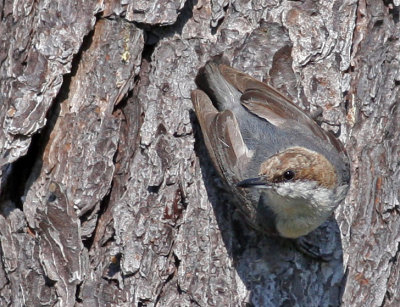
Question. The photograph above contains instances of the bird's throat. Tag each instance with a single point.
(294, 217)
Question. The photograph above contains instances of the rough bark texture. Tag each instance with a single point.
(108, 196)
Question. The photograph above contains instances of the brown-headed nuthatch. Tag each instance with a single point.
(288, 175)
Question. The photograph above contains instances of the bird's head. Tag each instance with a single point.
(302, 188)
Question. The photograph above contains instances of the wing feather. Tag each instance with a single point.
(266, 102)
(222, 137)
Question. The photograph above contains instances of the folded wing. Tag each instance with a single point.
(267, 103)
(222, 137)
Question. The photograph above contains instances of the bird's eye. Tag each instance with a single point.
(288, 175)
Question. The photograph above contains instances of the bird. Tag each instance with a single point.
(286, 174)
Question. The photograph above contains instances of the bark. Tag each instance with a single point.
(108, 196)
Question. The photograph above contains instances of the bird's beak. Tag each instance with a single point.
(258, 181)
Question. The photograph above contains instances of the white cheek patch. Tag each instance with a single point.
(296, 189)
(300, 207)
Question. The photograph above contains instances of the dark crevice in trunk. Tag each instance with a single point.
(129, 111)
(156, 32)
(24, 171)
(88, 242)
(19, 172)
(393, 9)
(220, 21)
(77, 293)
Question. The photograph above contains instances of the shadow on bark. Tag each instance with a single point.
(263, 262)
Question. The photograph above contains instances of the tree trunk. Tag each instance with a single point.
(108, 196)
